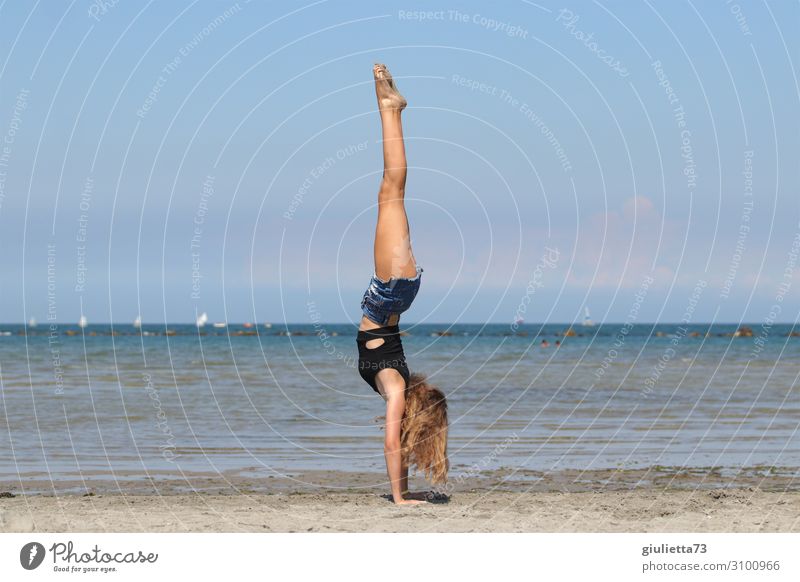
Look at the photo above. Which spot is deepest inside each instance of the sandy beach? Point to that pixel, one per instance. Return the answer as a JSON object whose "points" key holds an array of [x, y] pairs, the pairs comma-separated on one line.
{"points": [[627, 501], [733, 510]]}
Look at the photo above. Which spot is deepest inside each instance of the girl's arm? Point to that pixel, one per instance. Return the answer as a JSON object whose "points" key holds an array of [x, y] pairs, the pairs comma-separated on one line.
{"points": [[398, 475]]}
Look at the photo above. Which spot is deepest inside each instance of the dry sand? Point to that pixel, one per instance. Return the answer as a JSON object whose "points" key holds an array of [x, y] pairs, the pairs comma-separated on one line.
{"points": [[615, 511], [600, 501]]}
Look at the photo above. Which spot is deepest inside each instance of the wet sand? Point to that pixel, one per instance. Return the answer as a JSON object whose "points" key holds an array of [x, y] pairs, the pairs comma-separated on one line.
{"points": [[653, 500]]}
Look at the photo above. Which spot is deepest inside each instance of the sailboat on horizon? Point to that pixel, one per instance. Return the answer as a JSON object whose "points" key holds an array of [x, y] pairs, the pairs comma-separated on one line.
{"points": [[201, 319], [137, 323], [83, 322], [587, 319]]}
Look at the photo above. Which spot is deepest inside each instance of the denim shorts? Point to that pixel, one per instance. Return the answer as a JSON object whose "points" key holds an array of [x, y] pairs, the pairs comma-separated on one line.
{"points": [[382, 299]]}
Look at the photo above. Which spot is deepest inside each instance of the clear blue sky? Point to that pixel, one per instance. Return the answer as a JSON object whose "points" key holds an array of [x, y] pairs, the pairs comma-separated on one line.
{"points": [[623, 150]]}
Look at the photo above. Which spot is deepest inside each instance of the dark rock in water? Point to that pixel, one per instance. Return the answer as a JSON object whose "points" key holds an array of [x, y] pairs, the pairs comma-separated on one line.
{"points": [[743, 331], [569, 333], [6, 495], [793, 334], [443, 333]]}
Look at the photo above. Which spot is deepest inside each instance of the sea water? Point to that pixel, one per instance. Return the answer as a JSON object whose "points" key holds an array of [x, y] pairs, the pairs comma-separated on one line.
{"points": [[123, 402]]}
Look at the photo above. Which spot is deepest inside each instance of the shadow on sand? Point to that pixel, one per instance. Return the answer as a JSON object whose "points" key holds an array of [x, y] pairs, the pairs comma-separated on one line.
{"points": [[429, 496]]}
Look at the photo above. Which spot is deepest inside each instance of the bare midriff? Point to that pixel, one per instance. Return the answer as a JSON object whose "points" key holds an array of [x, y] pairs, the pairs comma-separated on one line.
{"points": [[367, 323]]}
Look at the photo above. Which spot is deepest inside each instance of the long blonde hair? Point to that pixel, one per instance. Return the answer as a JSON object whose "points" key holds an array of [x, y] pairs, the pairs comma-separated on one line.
{"points": [[423, 433]]}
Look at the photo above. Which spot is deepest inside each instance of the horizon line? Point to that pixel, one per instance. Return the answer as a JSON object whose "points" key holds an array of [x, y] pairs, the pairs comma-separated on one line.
{"points": [[285, 323]]}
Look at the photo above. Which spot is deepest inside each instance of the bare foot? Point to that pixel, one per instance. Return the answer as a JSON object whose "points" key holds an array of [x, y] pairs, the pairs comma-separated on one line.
{"points": [[409, 502], [388, 95]]}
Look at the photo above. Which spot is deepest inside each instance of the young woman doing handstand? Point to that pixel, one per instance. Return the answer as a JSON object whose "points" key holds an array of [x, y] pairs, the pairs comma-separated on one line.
{"points": [[416, 412]]}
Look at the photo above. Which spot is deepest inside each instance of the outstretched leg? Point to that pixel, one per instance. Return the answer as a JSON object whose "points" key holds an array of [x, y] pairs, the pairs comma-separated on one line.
{"points": [[393, 255]]}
